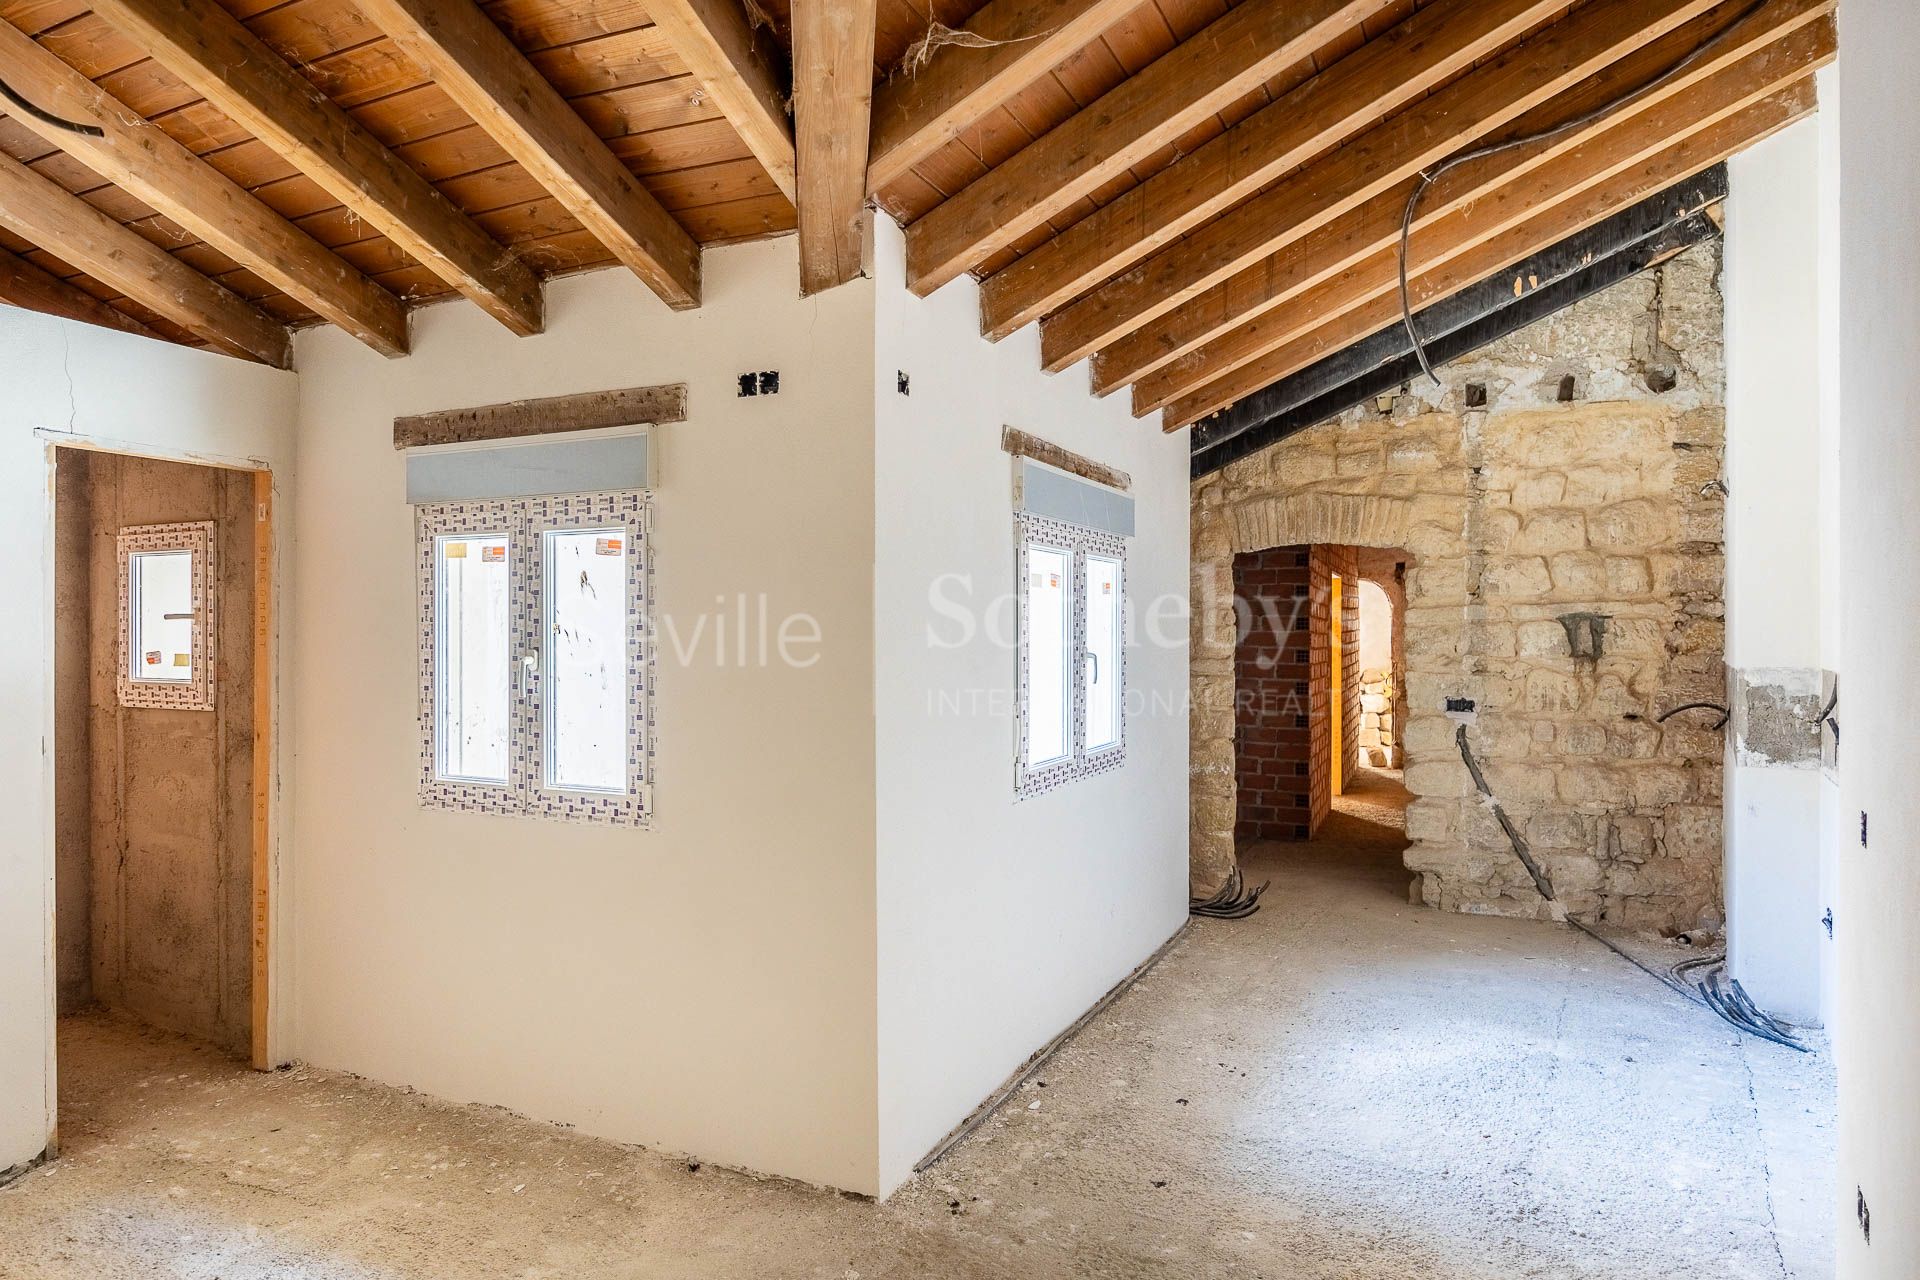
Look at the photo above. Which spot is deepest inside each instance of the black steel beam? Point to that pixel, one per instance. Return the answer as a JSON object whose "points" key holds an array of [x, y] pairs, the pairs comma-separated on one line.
{"points": [[1552, 280]]}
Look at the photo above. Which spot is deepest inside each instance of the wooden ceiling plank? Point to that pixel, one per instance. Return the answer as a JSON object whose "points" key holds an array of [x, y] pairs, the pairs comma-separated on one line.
{"points": [[1171, 95], [1673, 163], [1358, 234], [492, 81], [718, 45], [1632, 143], [202, 44], [141, 159], [1385, 75], [921, 109], [832, 109], [41, 211], [24, 285], [1524, 77]]}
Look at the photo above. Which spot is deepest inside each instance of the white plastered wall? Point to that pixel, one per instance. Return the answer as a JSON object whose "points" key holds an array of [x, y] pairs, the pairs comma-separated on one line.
{"points": [[1772, 805], [1877, 904], [74, 383], [706, 986], [1000, 922]]}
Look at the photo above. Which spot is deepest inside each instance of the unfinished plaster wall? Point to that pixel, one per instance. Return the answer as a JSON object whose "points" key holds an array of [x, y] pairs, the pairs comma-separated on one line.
{"points": [[70, 382], [1515, 515], [170, 893], [72, 758]]}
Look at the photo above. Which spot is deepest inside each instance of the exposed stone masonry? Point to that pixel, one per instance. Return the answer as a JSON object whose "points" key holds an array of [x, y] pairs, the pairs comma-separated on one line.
{"points": [[1513, 516]]}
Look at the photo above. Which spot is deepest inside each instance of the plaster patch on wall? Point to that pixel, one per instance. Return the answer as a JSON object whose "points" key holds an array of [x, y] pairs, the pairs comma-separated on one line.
{"points": [[1775, 716]]}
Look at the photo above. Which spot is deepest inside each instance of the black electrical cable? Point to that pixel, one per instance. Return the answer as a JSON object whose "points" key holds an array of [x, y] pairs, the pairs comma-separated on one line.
{"points": [[1721, 723], [12, 95], [1233, 901], [1429, 176]]}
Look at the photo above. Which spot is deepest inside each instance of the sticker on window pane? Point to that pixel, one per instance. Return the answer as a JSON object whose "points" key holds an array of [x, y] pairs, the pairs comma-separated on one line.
{"points": [[473, 698], [1049, 639], [585, 626], [1103, 652]]}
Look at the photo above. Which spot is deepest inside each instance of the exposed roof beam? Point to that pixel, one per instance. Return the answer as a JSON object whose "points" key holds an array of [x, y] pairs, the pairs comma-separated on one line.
{"points": [[1381, 77], [1015, 42], [66, 226], [1640, 147], [716, 42], [832, 109], [26, 286], [1223, 440], [204, 45], [1701, 150], [1144, 112], [143, 159], [1349, 240], [475, 64], [1524, 77]]}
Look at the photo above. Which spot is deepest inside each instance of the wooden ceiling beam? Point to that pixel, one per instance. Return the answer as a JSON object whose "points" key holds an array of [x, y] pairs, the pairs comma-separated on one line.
{"points": [[832, 112], [204, 45], [1146, 111], [487, 77], [1346, 242], [1013, 43], [142, 159], [40, 210], [1524, 77], [715, 40], [1623, 146], [1381, 77], [1672, 163], [26, 286]]}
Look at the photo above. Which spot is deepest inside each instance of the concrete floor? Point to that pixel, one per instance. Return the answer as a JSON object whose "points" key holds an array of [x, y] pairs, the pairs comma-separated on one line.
{"points": [[1341, 1086]]}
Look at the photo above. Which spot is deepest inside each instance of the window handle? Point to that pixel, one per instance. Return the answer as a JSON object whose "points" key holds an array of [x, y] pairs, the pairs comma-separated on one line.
{"points": [[1094, 658], [529, 667]]}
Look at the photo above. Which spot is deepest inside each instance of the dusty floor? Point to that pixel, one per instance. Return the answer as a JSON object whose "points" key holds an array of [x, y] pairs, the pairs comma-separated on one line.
{"points": [[1342, 1086]]}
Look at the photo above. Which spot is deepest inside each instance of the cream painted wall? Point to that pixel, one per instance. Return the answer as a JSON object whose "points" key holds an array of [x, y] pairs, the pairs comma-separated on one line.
{"points": [[79, 384], [706, 986], [1877, 907], [1776, 945], [1001, 922]]}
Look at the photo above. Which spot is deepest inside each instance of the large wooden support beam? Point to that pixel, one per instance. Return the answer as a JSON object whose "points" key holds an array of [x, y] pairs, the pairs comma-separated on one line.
{"points": [[832, 110], [549, 415], [1229, 437], [1146, 111], [1381, 77], [717, 43], [204, 45], [142, 159], [1013, 43], [1639, 148], [1300, 263], [475, 64], [1524, 77], [26, 286], [1707, 147], [66, 226]]}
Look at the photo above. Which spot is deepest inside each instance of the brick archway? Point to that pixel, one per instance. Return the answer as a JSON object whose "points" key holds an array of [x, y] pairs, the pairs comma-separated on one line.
{"points": [[1219, 534]]}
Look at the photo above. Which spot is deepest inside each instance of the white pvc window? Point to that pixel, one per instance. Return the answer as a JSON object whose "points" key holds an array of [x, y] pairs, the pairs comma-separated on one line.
{"points": [[534, 655], [1071, 687], [166, 616]]}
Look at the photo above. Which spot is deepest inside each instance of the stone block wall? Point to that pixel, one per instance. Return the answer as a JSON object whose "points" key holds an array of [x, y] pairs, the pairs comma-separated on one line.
{"points": [[1514, 515]]}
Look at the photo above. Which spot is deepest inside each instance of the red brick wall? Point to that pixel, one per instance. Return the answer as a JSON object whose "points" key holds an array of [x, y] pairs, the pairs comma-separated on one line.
{"points": [[1272, 722]]}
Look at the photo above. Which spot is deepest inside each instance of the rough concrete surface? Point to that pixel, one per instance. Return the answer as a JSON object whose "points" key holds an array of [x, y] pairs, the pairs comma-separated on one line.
{"points": [[1342, 1086]]}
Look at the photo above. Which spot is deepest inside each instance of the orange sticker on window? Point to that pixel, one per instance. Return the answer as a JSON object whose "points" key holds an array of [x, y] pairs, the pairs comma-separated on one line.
{"points": [[1053, 580], [493, 555], [153, 657], [607, 546]]}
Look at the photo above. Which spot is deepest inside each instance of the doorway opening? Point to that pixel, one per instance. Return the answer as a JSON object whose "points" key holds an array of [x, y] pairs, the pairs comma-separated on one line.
{"points": [[1319, 702], [162, 575]]}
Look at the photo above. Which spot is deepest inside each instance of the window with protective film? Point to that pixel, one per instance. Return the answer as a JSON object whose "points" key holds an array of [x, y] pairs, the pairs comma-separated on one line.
{"points": [[534, 656], [166, 616], [1071, 690]]}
